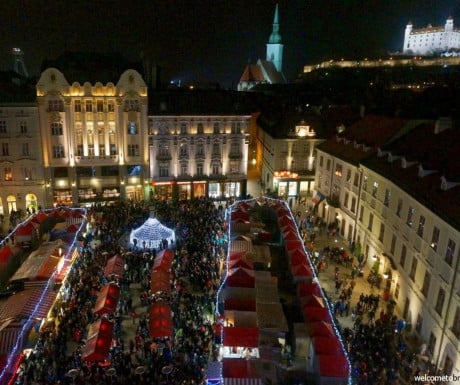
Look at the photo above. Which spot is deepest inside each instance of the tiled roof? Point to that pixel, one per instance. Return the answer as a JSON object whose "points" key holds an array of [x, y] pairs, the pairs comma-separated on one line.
{"points": [[439, 153], [274, 76], [252, 73], [373, 131]]}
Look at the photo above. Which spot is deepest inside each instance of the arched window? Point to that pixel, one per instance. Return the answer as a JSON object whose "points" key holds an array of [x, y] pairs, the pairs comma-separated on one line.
{"points": [[31, 202], [11, 201]]}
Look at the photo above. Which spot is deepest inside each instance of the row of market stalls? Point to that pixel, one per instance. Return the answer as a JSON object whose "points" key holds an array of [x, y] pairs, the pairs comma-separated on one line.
{"points": [[253, 324], [252, 321], [25, 309], [317, 340]]}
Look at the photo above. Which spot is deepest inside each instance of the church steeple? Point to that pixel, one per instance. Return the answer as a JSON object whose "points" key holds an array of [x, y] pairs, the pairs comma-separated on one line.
{"points": [[274, 46]]}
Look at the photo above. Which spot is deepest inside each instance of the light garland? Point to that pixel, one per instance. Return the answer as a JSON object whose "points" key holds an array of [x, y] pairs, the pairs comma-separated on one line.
{"points": [[25, 330], [281, 203]]}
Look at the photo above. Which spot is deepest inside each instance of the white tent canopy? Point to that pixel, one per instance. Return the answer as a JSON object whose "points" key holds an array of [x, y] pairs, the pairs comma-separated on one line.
{"points": [[152, 232]]}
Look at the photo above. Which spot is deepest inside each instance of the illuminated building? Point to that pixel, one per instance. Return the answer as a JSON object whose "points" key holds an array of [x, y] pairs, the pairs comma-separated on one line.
{"points": [[198, 145], [94, 137], [21, 180], [270, 70], [431, 40], [392, 187]]}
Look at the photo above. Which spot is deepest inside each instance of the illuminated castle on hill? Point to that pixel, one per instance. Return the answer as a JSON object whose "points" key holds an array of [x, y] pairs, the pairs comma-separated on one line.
{"points": [[431, 40]]}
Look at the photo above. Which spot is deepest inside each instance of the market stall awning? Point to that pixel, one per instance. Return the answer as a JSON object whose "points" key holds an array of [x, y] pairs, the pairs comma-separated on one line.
{"points": [[240, 304], [240, 277], [101, 327], [241, 336], [313, 313], [107, 300], [160, 320], [34, 302], [5, 254], [160, 280], [114, 266], [333, 366], [96, 348], [163, 260]]}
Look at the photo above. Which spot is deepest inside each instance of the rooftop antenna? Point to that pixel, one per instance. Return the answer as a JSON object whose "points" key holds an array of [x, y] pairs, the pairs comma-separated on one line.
{"points": [[18, 64]]}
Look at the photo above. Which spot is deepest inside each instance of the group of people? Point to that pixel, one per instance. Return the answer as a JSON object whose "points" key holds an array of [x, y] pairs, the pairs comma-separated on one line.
{"points": [[180, 358]]}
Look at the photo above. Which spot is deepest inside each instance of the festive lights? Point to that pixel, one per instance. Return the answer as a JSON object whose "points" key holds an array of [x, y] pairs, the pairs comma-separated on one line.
{"points": [[14, 356], [276, 203]]}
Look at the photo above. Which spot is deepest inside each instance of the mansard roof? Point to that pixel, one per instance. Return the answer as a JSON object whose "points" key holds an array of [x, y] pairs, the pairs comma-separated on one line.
{"points": [[91, 67], [425, 164], [362, 139]]}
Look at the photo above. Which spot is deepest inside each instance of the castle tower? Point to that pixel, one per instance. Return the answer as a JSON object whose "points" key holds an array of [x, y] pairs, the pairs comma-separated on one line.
{"points": [[18, 64], [274, 46], [407, 33]]}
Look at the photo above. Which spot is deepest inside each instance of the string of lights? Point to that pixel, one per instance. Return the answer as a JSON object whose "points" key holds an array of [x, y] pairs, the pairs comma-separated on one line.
{"points": [[15, 356], [279, 204]]}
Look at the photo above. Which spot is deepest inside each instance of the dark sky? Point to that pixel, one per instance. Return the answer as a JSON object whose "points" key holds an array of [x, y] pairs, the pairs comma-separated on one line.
{"points": [[212, 40]]}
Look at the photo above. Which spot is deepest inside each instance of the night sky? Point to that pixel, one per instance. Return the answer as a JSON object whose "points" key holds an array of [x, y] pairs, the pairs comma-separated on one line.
{"points": [[212, 40]]}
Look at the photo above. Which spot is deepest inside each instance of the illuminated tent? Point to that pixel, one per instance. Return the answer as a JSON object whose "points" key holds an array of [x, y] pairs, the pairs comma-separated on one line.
{"points": [[114, 266], [107, 300], [163, 260], [241, 336], [240, 277], [152, 232], [160, 320], [97, 346], [5, 254]]}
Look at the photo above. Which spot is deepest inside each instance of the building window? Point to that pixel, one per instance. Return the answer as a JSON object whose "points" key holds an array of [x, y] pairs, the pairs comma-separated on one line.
{"points": [[90, 150], [5, 149], [164, 170], [215, 149], [216, 128], [131, 105], [431, 343], [381, 232], [99, 105], [371, 221], [349, 175], [199, 169], [3, 129], [215, 169], [133, 150], [353, 205], [27, 173], [132, 128], [80, 150], [338, 170], [8, 174], [110, 106], [356, 179], [199, 128], [345, 199], [199, 149], [55, 105], [77, 106], [23, 127], [25, 149], [365, 182], [393, 244], [399, 207], [397, 289], [183, 150], [419, 324], [375, 188], [183, 169], [413, 268], [450, 250], [183, 129], [440, 301], [456, 323], [328, 165], [89, 106], [56, 129], [321, 161], [236, 128], [421, 225], [361, 213], [402, 259], [426, 284], [386, 200], [435, 238], [234, 166], [410, 216], [58, 151]]}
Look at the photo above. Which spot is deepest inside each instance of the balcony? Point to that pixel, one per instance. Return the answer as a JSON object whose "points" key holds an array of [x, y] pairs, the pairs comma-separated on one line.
{"points": [[163, 156], [235, 155]]}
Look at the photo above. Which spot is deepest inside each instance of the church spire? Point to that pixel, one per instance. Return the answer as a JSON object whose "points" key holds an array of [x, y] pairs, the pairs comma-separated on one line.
{"points": [[274, 45], [275, 37]]}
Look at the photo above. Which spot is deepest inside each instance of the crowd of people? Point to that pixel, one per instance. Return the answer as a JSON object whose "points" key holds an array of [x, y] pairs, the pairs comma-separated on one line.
{"points": [[180, 358]]}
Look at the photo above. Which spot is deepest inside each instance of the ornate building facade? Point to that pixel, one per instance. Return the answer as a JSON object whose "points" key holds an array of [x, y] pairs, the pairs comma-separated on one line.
{"points": [[94, 138]]}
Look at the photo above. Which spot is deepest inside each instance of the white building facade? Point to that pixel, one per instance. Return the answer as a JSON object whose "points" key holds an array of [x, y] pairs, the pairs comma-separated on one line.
{"points": [[198, 155], [22, 184], [431, 40], [94, 139]]}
